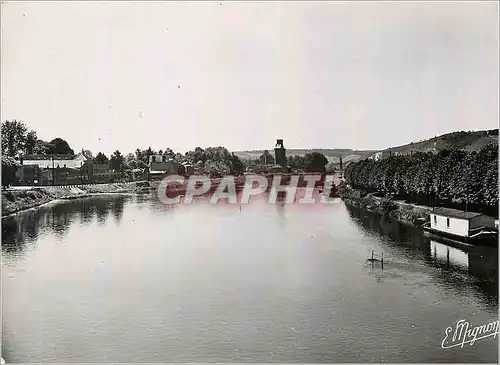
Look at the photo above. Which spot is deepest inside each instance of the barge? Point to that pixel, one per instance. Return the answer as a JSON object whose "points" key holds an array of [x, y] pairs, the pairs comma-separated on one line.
{"points": [[465, 227]]}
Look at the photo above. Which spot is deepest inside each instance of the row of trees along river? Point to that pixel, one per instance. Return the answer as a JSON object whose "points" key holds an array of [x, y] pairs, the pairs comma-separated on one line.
{"points": [[451, 178]]}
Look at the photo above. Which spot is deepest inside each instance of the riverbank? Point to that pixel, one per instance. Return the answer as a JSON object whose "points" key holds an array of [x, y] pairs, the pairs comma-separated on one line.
{"points": [[399, 210], [15, 201]]}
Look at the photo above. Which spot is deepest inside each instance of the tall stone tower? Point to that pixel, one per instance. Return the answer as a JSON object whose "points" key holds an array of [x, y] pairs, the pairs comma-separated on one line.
{"points": [[280, 153]]}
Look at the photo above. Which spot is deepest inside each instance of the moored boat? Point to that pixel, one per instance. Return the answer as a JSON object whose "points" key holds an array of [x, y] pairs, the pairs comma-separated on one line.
{"points": [[466, 227]]}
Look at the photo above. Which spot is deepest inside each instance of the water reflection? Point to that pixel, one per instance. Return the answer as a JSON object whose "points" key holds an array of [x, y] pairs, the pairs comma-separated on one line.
{"points": [[449, 256], [268, 284], [23, 229], [458, 268]]}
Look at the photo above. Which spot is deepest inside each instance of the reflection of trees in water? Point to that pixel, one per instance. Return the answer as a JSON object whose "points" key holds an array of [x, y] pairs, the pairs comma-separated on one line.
{"points": [[117, 208], [482, 271], [483, 264], [17, 231], [60, 218], [397, 234], [102, 210], [87, 212]]}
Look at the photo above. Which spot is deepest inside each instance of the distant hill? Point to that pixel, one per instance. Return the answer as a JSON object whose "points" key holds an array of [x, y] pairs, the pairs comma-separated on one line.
{"points": [[470, 141], [331, 154]]}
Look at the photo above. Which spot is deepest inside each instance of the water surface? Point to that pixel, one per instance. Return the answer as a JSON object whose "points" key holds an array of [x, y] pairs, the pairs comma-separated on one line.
{"points": [[122, 279]]}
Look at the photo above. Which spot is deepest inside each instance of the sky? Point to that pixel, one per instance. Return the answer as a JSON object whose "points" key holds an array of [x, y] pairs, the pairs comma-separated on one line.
{"points": [[361, 75]]}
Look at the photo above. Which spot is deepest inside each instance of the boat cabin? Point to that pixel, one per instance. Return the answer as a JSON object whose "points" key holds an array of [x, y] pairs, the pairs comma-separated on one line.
{"points": [[459, 223]]}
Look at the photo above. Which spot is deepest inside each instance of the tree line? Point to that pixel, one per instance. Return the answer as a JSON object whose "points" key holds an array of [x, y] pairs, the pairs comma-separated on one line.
{"points": [[19, 140], [453, 178]]}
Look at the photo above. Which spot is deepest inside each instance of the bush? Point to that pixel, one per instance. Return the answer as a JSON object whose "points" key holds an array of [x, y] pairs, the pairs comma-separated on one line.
{"points": [[9, 169], [9, 196], [387, 206]]}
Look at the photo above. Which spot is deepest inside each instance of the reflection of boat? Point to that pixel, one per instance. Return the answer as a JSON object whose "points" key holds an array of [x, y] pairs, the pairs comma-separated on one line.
{"points": [[332, 190], [450, 255], [456, 225]]}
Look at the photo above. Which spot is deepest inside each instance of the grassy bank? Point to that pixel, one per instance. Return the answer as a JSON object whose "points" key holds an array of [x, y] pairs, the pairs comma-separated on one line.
{"points": [[388, 208], [15, 201]]}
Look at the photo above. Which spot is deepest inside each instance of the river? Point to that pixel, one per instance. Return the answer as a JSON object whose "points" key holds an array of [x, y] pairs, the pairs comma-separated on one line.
{"points": [[123, 279]]}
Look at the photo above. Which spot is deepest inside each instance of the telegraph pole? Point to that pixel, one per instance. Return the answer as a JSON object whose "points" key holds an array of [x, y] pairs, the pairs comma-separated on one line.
{"points": [[53, 170]]}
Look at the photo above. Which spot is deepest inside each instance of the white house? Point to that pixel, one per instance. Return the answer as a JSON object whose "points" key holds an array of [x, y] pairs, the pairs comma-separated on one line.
{"points": [[376, 156], [49, 161], [459, 223]]}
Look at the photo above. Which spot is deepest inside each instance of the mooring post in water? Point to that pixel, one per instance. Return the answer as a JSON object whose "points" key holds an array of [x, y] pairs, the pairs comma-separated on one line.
{"points": [[382, 261], [372, 255]]}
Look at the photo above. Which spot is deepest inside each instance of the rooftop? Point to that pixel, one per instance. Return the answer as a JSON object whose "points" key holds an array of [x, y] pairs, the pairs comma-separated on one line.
{"points": [[454, 213], [47, 157]]}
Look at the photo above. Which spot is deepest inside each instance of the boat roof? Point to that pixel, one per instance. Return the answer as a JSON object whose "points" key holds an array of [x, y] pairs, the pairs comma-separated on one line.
{"points": [[454, 213]]}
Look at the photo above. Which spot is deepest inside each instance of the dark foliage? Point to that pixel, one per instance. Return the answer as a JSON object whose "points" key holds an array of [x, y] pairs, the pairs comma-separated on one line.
{"points": [[447, 178]]}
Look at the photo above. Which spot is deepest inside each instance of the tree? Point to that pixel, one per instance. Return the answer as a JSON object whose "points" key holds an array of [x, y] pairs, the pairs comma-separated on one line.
{"points": [[297, 162], [30, 143], [146, 154], [101, 158], [130, 161], [41, 147], [237, 165], [330, 167], [199, 155], [316, 162], [88, 154], [116, 161], [138, 155], [59, 146], [169, 152], [450, 176], [13, 137], [9, 169]]}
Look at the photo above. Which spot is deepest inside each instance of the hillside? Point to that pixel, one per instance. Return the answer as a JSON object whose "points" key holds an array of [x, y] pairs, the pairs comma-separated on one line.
{"points": [[469, 141], [331, 154]]}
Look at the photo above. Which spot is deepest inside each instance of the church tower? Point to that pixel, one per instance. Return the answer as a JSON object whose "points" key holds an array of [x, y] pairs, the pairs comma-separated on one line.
{"points": [[280, 153]]}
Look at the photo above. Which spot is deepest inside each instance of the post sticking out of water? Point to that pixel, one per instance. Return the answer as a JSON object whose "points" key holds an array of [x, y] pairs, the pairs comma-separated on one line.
{"points": [[372, 255], [382, 261]]}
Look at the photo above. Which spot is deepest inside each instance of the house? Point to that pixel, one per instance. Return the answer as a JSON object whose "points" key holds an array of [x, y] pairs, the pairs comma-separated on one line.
{"points": [[376, 156], [38, 168], [459, 223], [28, 175], [97, 173], [278, 169], [189, 168], [161, 166], [61, 176], [266, 158], [53, 161]]}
